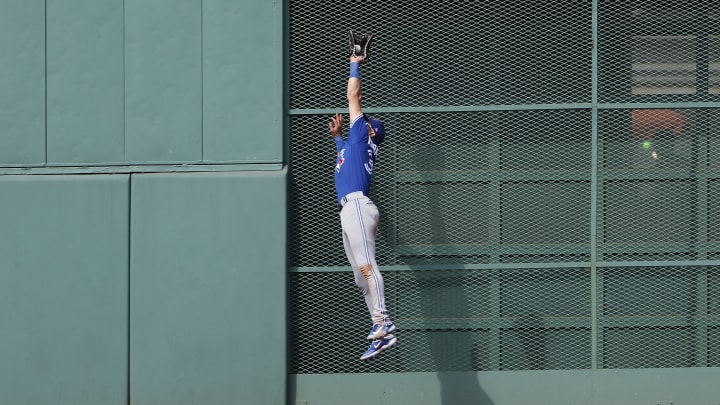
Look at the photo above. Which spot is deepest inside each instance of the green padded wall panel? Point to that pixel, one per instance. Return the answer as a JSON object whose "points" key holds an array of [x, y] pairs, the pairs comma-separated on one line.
{"points": [[163, 88], [208, 288], [141, 82], [22, 99], [85, 81], [576, 387], [64, 289], [242, 81]]}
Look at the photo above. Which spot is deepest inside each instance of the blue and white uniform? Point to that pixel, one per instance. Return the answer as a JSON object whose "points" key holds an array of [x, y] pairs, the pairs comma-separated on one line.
{"points": [[358, 215]]}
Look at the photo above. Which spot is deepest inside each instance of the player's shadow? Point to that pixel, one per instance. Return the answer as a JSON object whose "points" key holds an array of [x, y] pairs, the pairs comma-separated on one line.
{"points": [[531, 332], [456, 355]]}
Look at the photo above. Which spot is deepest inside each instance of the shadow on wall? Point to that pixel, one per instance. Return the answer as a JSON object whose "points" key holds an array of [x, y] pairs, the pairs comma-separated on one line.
{"points": [[454, 353], [531, 332]]}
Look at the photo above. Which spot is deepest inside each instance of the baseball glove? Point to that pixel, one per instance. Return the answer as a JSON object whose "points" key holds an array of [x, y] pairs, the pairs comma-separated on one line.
{"points": [[360, 45]]}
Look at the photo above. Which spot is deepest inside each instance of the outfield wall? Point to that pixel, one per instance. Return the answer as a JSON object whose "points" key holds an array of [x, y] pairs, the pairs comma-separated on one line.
{"points": [[170, 235], [142, 258]]}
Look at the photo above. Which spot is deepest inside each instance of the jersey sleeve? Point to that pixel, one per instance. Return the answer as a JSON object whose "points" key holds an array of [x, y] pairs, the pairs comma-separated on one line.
{"points": [[339, 143], [358, 130]]}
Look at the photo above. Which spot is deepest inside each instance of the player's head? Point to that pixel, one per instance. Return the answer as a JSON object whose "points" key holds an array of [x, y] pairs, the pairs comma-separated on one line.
{"points": [[379, 129]]}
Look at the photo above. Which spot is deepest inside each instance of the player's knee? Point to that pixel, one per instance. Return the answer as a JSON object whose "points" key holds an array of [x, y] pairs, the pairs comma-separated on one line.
{"points": [[366, 271]]}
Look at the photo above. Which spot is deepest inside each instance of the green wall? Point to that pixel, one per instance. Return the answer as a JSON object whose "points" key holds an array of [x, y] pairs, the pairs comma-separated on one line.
{"points": [[143, 195], [162, 279], [143, 186], [22, 101], [162, 81], [576, 387], [64, 289], [207, 288]]}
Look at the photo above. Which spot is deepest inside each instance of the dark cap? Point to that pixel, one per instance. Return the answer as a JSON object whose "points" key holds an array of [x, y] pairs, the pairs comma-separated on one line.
{"points": [[379, 129]]}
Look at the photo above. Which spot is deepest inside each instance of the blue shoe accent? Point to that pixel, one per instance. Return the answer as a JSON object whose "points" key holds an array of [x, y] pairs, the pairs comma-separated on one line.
{"points": [[378, 331], [379, 346]]}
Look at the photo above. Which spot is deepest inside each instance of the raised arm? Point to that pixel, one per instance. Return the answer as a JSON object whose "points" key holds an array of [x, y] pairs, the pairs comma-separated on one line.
{"points": [[335, 126], [354, 94]]}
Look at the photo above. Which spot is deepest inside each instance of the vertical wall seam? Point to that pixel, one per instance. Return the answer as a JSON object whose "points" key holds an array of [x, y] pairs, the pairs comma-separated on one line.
{"points": [[202, 83], [46, 87], [594, 337], [129, 272], [124, 81]]}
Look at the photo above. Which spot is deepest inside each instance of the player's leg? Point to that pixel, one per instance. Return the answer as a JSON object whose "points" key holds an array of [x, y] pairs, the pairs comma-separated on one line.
{"points": [[360, 219], [360, 281]]}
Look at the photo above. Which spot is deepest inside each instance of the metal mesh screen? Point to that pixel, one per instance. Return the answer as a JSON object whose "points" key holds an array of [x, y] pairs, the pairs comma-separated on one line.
{"points": [[514, 319], [510, 52], [659, 193], [477, 190], [674, 308], [658, 50], [546, 191], [452, 320]]}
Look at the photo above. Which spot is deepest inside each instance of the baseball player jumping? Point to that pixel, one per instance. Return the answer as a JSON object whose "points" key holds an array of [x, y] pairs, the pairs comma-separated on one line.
{"points": [[358, 215]]}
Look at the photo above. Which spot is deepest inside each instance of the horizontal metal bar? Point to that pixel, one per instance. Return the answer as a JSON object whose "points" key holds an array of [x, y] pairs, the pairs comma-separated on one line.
{"points": [[655, 174], [552, 175], [650, 321], [508, 107], [504, 323], [649, 106], [487, 176], [449, 266], [659, 248], [539, 249], [661, 263], [150, 168], [499, 266], [627, 25], [443, 109], [442, 324]]}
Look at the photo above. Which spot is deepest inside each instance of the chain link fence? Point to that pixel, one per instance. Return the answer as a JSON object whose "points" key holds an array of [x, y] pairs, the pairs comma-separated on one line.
{"points": [[549, 193]]}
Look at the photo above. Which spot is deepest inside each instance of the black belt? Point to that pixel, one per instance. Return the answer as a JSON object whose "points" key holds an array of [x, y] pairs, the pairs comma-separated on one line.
{"points": [[349, 197]]}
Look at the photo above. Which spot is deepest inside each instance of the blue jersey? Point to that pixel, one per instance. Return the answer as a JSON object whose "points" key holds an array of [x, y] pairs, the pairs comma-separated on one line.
{"points": [[355, 160]]}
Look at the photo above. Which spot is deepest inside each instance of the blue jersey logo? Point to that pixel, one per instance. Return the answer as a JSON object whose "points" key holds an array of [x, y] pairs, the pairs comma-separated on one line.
{"points": [[340, 160]]}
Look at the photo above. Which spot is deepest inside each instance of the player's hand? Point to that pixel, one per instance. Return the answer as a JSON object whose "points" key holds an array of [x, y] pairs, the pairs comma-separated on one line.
{"points": [[358, 59], [336, 125]]}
